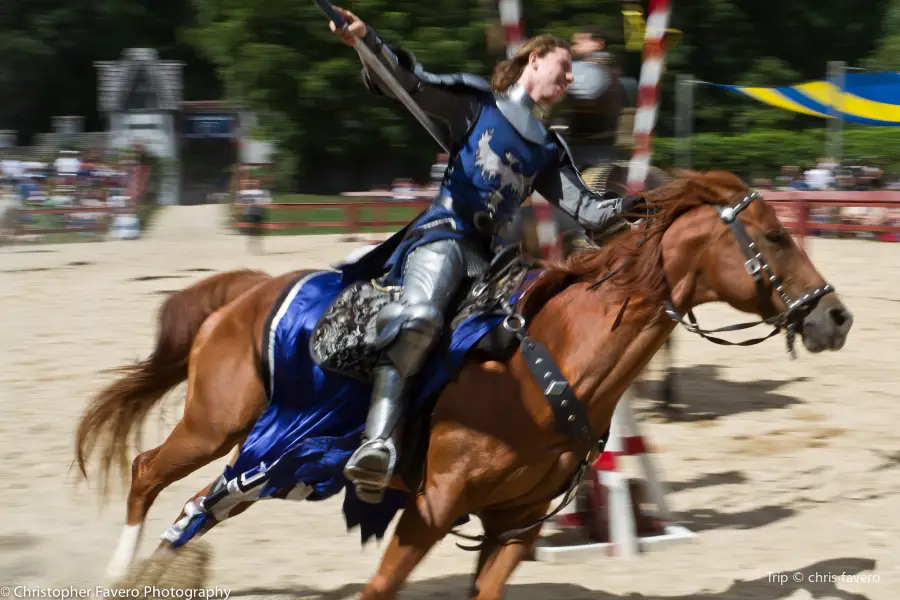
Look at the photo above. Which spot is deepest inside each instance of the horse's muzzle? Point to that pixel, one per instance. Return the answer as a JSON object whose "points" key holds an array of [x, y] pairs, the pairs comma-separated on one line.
{"points": [[827, 325]]}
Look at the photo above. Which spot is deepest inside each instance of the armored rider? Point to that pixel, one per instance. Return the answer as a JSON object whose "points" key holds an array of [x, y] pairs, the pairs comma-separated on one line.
{"points": [[500, 153]]}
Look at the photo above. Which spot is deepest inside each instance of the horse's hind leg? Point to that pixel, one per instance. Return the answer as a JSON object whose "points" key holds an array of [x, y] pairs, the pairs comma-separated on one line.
{"points": [[229, 504], [215, 420], [168, 568], [182, 453], [497, 561]]}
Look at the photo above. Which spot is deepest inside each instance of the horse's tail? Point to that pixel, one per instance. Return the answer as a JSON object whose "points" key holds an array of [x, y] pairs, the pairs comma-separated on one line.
{"points": [[122, 406]]}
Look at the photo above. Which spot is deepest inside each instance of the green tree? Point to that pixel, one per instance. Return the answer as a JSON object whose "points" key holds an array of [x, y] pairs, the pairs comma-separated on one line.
{"points": [[887, 54], [278, 57], [49, 48]]}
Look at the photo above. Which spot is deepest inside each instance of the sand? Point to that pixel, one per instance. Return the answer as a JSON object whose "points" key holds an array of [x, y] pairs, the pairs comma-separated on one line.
{"points": [[780, 466]]}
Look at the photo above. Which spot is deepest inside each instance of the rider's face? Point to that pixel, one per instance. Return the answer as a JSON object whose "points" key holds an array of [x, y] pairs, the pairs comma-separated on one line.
{"points": [[551, 76]]}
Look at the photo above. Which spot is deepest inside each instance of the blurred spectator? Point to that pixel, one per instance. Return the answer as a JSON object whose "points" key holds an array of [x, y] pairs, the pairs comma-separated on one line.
{"points": [[12, 170], [67, 164], [438, 169], [788, 174], [821, 177], [403, 185]]}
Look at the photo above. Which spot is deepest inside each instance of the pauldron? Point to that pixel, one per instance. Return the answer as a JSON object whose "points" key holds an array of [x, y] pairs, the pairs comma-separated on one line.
{"points": [[522, 113]]}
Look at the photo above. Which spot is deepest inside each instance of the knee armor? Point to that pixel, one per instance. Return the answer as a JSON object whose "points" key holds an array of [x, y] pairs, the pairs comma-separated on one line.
{"points": [[406, 334], [407, 329]]}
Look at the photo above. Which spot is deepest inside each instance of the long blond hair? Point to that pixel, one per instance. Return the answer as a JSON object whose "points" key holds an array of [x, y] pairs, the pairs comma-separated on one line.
{"points": [[508, 72]]}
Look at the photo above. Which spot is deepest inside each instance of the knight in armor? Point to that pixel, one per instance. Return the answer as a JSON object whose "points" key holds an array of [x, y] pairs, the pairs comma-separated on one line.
{"points": [[500, 153]]}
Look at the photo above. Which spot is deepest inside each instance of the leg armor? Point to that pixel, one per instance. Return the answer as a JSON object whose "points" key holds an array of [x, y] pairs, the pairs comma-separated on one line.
{"points": [[406, 333]]}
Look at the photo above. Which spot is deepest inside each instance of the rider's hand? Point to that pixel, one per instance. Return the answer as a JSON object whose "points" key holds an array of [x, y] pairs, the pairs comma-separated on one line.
{"points": [[355, 26], [636, 207]]}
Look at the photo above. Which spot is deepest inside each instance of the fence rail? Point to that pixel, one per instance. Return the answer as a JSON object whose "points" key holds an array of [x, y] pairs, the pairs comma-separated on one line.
{"points": [[795, 209], [353, 212]]}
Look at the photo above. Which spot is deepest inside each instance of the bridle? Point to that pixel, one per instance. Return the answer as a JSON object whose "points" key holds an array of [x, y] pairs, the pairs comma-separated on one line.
{"points": [[795, 309]]}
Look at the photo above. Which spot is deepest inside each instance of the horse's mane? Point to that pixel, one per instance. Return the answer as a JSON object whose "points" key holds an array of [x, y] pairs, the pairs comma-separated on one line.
{"points": [[636, 254]]}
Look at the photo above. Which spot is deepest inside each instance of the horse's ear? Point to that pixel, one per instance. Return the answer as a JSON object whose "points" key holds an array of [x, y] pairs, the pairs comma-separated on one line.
{"points": [[548, 284]]}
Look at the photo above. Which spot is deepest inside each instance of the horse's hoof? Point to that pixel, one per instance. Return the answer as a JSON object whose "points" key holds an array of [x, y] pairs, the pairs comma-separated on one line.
{"points": [[184, 568]]}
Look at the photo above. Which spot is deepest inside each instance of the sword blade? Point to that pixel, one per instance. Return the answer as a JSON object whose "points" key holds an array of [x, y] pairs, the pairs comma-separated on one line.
{"points": [[376, 65]]}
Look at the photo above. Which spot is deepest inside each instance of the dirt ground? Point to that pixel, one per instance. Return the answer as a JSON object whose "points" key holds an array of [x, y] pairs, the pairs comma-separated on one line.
{"points": [[781, 467]]}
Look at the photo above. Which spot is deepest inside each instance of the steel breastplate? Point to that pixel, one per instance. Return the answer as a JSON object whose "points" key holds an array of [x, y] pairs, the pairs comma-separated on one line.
{"points": [[522, 113]]}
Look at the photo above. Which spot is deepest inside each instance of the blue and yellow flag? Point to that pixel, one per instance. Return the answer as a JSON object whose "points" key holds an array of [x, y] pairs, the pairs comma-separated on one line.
{"points": [[868, 98]]}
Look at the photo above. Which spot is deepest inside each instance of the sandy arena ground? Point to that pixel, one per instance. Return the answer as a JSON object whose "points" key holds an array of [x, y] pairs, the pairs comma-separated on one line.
{"points": [[780, 466]]}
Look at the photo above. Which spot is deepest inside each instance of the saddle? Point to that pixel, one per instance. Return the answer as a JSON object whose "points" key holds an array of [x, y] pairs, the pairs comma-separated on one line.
{"points": [[343, 340]]}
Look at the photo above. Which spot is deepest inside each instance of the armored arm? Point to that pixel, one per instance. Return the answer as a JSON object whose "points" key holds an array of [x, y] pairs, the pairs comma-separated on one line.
{"points": [[453, 99], [564, 187]]}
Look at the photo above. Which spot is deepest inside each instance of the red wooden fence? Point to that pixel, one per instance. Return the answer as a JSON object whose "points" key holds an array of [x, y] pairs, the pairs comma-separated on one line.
{"points": [[793, 208], [352, 221]]}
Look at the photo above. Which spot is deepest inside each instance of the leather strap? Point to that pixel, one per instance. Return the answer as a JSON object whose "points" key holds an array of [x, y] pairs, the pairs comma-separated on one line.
{"points": [[571, 418]]}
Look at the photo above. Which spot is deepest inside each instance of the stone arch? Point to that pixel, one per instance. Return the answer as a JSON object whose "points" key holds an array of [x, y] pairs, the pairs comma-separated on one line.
{"points": [[139, 96]]}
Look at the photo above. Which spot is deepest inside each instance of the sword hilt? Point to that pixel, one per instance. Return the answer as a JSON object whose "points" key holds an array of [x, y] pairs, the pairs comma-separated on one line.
{"points": [[332, 13]]}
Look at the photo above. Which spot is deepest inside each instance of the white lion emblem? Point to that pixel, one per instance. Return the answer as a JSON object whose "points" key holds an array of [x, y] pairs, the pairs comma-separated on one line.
{"points": [[492, 166]]}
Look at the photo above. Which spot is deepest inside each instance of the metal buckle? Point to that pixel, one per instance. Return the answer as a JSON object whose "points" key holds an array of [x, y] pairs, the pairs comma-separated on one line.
{"points": [[484, 222], [727, 214], [519, 320], [753, 266]]}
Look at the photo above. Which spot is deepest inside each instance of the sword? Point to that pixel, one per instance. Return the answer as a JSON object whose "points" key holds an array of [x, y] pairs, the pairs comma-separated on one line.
{"points": [[372, 61]]}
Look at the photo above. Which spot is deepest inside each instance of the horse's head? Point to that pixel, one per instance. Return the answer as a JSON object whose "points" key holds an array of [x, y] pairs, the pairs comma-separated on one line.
{"points": [[740, 253]]}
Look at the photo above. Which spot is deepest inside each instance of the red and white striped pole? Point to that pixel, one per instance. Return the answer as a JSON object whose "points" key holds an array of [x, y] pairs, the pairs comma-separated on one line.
{"points": [[513, 23], [648, 94], [627, 440]]}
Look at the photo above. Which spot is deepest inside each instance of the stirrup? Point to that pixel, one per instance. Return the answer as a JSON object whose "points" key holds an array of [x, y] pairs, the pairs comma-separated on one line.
{"points": [[369, 495], [370, 468]]}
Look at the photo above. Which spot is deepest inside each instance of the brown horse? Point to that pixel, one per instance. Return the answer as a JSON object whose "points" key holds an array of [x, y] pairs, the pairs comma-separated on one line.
{"points": [[502, 458]]}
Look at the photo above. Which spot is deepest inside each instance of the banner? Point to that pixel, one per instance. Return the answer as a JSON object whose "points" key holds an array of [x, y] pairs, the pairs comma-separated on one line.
{"points": [[868, 98]]}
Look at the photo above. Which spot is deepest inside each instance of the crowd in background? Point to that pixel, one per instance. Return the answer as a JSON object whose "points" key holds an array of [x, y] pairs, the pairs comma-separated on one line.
{"points": [[827, 175], [69, 181]]}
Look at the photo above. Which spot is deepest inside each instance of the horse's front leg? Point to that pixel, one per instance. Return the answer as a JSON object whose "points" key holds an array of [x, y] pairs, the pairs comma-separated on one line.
{"points": [[426, 520], [498, 560]]}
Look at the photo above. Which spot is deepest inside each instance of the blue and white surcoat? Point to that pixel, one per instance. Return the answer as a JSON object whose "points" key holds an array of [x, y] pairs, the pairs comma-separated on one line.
{"points": [[500, 154], [495, 168]]}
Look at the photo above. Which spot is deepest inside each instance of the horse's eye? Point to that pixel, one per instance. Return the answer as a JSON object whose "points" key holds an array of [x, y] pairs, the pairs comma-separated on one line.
{"points": [[777, 237]]}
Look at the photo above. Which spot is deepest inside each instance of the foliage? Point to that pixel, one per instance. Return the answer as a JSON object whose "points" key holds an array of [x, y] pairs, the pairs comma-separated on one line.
{"points": [[278, 57], [49, 48], [887, 54], [763, 153]]}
